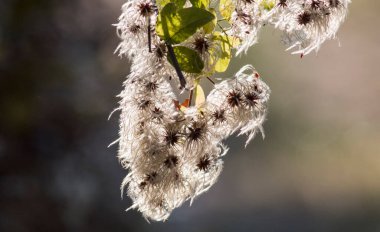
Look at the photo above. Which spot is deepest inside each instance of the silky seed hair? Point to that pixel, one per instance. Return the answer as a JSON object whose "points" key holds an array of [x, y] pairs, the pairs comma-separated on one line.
{"points": [[173, 155]]}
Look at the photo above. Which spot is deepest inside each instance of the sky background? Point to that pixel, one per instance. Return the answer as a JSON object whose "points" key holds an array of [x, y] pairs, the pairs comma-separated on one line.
{"points": [[318, 168]]}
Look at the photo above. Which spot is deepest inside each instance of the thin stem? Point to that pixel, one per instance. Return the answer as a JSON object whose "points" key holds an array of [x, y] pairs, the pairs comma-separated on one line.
{"points": [[191, 96], [149, 36], [213, 82], [224, 31], [172, 56]]}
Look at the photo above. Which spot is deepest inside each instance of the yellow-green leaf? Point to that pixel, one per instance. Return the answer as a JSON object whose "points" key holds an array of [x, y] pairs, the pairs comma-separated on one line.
{"points": [[175, 26], [162, 3], [199, 95], [209, 27], [200, 3], [226, 7], [222, 55]]}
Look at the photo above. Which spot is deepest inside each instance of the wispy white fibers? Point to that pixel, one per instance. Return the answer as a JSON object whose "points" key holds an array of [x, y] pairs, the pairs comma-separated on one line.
{"points": [[306, 23], [173, 153]]}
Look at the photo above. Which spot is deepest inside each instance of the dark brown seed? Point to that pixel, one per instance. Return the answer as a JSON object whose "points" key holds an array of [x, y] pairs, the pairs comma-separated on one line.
{"points": [[171, 137], [196, 131], [144, 103], [251, 99], [282, 3], [145, 9], [171, 161], [204, 163], [304, 18], [134, 28], [234, 98], [151, 177], [219, 115], [151, 86], [201, 44]]}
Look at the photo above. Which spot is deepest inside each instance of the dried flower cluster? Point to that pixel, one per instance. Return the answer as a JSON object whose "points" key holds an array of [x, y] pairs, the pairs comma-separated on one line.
{"points": [[306, 23], [173, 151]]}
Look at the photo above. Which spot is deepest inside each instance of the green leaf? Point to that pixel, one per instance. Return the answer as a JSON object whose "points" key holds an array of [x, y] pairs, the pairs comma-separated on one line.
{"points": [[209, 27], [188, 59], [223, 56], [226, 7], [175, 26], [200, 3], [162, 3]]}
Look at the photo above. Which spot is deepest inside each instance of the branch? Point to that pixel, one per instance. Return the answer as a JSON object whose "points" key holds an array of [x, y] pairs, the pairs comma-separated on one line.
{"points": [[172, 56]]}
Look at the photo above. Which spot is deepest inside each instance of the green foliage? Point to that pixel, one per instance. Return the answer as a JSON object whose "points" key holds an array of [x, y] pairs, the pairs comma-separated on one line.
{"points": [[188, 59], [226, 7], [221, 55], [176, 25], [200, 3], [210, 27], [162, 3]]}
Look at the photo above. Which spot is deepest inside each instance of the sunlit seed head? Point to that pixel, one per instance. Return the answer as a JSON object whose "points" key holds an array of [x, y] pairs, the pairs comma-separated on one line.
{"points": [[304, 18], [171, 137], [334, 3], [134, 28], [245, 18], [171, 161], [157, 113], [151, 178], [151, 86], [204, 163], [315, 4], [146, 9], [219, 115], [201, 44], [160, 50], [144, 103], [196, 131], [142, 185], [282, 3], [234, 98], [251, 98]]}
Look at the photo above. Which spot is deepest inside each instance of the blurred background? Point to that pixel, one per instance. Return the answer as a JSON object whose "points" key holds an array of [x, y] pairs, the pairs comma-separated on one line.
{"points": [[318, 168]]}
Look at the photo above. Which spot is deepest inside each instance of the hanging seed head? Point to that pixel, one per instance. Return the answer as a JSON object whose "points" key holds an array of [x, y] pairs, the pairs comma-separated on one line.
{"points": [[146, 9], [172, 136], [196, 131], [171, 161], [304, 18], [282, 3], [201, 44], [315, 4], [204, 163], [234, 98], [160, 50], [157, 113], [334, 3], [219, 115], [144, 103], [151, 86], [134, 28], [251, 99], [151, 178]]}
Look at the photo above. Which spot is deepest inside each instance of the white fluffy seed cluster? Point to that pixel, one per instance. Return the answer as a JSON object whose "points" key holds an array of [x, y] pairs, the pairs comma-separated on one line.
{"points": [[306, 23], [174, 154]]}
